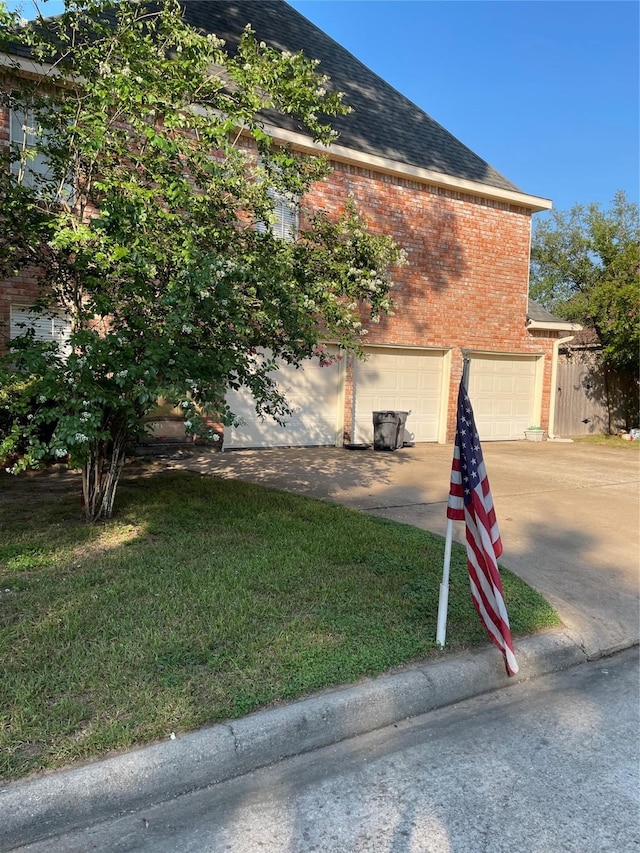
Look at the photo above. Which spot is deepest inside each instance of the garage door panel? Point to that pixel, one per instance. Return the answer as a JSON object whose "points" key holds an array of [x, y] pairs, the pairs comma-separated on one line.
{"points": [[504, 385], [407, 382], [522, 410], [503, 408], [523, 385], [485, 384]]}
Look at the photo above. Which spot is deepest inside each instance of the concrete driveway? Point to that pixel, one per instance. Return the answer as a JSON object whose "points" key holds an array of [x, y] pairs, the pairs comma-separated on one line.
{"points": [[569, 514]]}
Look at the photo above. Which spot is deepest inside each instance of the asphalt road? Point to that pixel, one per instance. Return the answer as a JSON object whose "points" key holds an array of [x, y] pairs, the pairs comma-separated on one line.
{"points": [[541, 766]]}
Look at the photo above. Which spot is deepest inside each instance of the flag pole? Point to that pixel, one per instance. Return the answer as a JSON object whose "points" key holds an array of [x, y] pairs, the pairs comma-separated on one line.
{"points": [[443, 601]]}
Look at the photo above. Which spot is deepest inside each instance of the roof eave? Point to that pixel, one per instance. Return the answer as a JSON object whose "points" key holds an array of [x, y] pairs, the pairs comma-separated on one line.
{"points": [[29, 67], [388, 166]]}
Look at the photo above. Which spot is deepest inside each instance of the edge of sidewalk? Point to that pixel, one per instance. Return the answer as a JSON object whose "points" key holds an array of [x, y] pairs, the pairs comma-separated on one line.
{"points": [[52, 804]]}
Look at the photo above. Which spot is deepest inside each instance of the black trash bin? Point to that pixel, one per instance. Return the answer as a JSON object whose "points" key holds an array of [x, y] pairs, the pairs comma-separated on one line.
{"points": [[388, 430], [402, 420]]}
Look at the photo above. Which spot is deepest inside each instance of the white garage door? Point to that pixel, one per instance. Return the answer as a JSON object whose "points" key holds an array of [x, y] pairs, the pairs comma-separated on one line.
{"points": [[314, 394], [501, 390], [399, 380]]}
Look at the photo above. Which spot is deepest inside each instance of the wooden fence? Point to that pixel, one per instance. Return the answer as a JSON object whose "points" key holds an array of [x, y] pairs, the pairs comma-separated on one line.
{"points": [[591, 400]]}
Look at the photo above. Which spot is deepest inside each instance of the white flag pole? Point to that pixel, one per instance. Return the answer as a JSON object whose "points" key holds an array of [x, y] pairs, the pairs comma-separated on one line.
{"points": [[443, 601]]}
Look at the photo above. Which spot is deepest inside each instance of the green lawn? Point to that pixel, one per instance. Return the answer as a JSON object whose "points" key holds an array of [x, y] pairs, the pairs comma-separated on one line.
{"points": [[609, 441], [203, 599]]}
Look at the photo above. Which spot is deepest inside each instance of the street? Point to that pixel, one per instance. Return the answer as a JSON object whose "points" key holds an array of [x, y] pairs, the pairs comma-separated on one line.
{"points": [[546, 765]]}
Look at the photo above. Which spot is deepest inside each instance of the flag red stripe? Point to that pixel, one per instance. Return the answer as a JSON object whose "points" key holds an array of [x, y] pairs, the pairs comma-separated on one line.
{"points": [[487, 595], [489, 588]]}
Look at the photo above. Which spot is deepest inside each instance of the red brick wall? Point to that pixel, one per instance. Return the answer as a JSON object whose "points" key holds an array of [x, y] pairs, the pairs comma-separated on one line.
{"points": [[465, 284]]}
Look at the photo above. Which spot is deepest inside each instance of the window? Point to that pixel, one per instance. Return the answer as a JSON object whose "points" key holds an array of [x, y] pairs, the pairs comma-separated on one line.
{"points": [[47, 325], [285, 214], [285, 211], [24, 137]]}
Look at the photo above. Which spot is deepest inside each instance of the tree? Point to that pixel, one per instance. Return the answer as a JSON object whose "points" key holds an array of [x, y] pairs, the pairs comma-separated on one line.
{"points": [[585, 266], [145, 228]]}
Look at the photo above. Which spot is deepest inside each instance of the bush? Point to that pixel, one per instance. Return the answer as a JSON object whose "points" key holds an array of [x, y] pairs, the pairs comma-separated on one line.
{"points": [[19, 400]]}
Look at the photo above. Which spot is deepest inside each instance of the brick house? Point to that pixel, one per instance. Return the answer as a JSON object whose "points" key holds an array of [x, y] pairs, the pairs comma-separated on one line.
{"points": [[466, 230]]}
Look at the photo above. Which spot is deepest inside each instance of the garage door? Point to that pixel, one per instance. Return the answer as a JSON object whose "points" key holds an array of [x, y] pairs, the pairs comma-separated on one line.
{"points": [[314, 394], [399, 380], [501, 390]]}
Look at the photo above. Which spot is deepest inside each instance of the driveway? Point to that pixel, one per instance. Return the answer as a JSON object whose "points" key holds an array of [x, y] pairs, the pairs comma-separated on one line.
{"points": [[568, 513]]}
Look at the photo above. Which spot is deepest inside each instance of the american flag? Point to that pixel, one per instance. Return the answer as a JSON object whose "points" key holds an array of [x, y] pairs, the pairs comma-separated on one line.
{"points": [[470, 501]]}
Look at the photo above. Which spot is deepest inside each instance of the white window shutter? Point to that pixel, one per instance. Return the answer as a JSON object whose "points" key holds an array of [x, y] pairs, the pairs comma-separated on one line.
{"points": [[285, 211], [49, 326]]}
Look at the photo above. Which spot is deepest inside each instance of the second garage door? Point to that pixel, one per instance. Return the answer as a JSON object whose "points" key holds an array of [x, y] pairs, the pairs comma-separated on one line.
{"points": [[400, 380], [502, 393]]}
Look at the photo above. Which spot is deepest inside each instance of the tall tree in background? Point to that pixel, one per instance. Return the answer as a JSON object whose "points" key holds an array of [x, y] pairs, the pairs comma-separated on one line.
{"points": [[585, 267], [146, 226]]}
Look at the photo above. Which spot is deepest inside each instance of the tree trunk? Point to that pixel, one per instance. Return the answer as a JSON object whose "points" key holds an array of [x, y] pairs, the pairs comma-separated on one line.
{"points": [[100, 476]]}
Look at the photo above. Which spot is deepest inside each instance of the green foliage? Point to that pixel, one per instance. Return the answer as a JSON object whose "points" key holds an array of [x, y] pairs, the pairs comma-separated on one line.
{"points": [[26, 421], [144, 226], [585, 267]]}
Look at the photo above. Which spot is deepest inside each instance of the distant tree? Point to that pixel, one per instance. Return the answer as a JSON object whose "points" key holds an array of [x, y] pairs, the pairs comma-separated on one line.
{"points": [[147, 223], [585, 267]]}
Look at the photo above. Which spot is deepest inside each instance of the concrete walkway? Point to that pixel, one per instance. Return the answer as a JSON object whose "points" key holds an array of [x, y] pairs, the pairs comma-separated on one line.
{"points": [[569, 516]]}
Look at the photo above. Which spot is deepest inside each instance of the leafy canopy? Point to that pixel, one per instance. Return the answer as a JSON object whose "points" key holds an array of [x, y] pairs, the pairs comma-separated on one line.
{"points": [[585, 266], [144, 228]]}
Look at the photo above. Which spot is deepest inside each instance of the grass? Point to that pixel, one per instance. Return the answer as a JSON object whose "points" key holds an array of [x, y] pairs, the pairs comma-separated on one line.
{"points": [[609, 441], [202, 600]]}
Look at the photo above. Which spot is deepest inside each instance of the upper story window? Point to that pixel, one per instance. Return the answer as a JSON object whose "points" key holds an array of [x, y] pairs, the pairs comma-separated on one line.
{"points": [[48, 326], [285, 211], [285, 219], [25, 136]]}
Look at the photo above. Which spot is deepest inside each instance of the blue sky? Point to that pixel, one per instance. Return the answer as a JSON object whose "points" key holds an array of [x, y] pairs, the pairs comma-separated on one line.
{"points": [[546, 91]]}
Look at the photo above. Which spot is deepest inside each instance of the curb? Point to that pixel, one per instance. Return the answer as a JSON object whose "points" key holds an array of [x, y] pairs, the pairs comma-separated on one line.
{"points": [[52, 804]]}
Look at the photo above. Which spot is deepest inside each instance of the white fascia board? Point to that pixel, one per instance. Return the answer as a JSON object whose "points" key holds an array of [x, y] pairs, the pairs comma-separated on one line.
{"points": [[554, 327], [22, 65], [391, 167]]}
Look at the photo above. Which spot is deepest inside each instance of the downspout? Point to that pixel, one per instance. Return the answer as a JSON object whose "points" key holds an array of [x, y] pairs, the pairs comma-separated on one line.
{"points": [[353, 399], [554, 378]]}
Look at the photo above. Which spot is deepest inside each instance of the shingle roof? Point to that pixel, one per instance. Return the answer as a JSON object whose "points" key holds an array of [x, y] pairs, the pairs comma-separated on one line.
{"points": [[384, 123], [541, 315]]}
